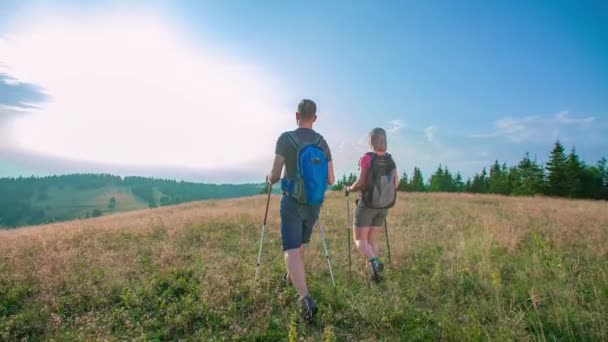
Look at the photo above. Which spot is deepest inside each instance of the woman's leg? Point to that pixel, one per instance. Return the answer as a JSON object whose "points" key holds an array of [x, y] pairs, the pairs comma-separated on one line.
{"points": [[361, 234], [361, 227], [372, 240], [376, 227]]}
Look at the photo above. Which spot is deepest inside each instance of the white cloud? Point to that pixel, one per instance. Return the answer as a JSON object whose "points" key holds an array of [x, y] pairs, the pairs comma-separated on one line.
{"points": [[127, 86], [430, 133], [395, 125], [563, 118], [536, 128]]}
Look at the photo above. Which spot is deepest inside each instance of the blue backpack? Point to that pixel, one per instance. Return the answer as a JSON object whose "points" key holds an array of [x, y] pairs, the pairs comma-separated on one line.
{"points": [[309, 185]]}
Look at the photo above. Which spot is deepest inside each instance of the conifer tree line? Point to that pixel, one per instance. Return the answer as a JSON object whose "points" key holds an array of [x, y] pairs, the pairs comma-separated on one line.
{"points": [[563, 175]]}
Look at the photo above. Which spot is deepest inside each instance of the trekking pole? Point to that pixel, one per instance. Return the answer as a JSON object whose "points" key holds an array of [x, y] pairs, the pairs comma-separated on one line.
{"points": [[388, 245], [257, 268], [348, 228], [331, 273]]}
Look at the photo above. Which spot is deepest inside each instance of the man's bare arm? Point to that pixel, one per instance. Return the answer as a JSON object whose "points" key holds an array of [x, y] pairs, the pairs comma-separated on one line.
{"points": [[277, 168], [331, 178]]}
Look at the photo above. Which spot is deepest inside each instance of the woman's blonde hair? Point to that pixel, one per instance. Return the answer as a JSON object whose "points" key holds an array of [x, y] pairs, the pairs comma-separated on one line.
{"points": [[377, 138]]}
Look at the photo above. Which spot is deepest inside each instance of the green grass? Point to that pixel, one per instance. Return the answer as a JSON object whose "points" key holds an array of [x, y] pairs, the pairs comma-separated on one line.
{"points": [[455, 275]]}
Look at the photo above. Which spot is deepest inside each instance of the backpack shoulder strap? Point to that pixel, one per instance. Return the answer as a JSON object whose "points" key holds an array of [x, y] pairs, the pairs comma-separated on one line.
{"points": [[294, 140], [372, 155], [318, 140], [390, 161]]}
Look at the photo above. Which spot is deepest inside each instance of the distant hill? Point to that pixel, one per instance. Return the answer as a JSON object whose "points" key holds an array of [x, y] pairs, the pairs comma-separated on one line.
{"points": [[37, 200]]}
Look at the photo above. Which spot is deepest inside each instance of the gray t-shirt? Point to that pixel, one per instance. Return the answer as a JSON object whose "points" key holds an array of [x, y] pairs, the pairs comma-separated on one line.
{"points": [[289, 152]]}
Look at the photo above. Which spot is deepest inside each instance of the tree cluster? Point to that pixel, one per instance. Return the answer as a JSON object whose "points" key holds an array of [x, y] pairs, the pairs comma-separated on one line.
{"points": [[563, 175]]}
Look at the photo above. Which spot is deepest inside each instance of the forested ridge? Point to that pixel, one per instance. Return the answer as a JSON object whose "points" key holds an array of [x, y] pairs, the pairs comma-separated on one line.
{"points": [[34, 200]]}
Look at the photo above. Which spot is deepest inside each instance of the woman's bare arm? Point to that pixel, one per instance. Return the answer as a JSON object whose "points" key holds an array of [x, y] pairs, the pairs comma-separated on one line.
{"points": [[396, 176], [360, 183]]}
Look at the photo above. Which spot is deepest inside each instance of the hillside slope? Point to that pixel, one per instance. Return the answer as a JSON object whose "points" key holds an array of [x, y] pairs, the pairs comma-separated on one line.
{"points": [[463, 267], [38, 200]]}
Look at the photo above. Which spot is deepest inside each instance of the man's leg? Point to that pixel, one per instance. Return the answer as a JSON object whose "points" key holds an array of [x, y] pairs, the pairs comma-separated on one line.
{"points": [[295, 268], [288, 277], [310, 216], [291, 237]]}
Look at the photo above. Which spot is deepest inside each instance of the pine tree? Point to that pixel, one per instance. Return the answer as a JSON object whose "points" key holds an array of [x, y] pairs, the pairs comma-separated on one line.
{"points": [[602, 169], [458, 182], [403, 183], [447, 181], [539, 180], [499, 179], [417, 181], [557, 176], [574, 172], [591, 182], [514, 179], [436, 180], [527, 178], [480, 182]]}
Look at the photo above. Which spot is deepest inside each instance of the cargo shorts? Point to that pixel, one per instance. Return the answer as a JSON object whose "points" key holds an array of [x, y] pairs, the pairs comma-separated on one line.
{"points": [[297, 222], [368, 217]]}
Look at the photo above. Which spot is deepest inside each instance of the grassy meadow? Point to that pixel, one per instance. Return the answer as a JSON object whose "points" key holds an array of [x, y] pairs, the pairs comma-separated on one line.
{"points": [[77, 203], [464, 267]]}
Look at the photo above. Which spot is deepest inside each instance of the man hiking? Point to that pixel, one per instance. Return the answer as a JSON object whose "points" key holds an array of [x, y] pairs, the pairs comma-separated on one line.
{"points": [[308, 171], [377, 185]]}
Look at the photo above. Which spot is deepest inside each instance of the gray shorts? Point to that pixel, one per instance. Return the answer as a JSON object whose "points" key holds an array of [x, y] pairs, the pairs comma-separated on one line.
{"points": [[367, 217]]}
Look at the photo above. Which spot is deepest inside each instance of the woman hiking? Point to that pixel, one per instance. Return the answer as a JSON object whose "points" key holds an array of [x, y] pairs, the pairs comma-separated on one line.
{"points": [[377, 186]]}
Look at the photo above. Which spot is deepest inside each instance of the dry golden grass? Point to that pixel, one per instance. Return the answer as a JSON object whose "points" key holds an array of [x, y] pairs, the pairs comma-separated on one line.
{"points": [[463, 267]]}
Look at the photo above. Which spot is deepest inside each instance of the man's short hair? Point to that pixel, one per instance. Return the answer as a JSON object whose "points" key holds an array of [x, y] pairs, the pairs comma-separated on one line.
{"points": [[307, 109]]}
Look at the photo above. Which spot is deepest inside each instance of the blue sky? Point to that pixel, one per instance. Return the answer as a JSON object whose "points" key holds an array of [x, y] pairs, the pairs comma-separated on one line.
{"points": [[459, 83]]}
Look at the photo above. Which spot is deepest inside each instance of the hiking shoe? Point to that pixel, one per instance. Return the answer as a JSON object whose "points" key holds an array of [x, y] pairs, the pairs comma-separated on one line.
{"points": [[309, 308], [373, 270], [380, 265]]}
